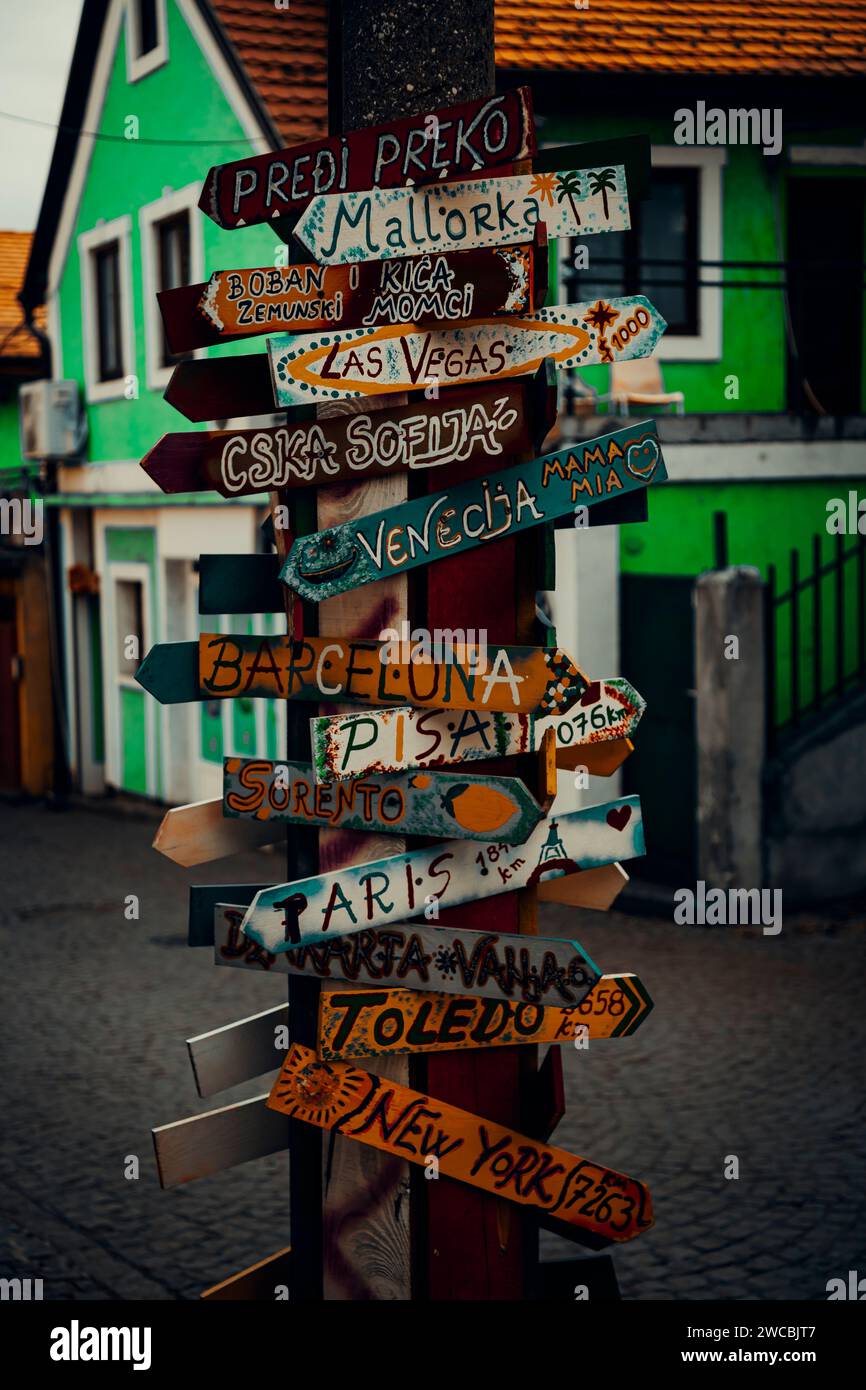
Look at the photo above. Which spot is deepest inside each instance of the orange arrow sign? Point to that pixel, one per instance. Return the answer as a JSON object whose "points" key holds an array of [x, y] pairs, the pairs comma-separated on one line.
{"points": [[575, 1191]]}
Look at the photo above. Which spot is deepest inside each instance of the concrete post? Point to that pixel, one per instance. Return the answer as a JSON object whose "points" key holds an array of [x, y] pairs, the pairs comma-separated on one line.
{"points": [[730, 725]]}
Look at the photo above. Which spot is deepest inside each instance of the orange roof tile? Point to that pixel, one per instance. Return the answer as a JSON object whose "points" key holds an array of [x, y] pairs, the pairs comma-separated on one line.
{"points": [[756, 37], [284, 53], [15, 340]]}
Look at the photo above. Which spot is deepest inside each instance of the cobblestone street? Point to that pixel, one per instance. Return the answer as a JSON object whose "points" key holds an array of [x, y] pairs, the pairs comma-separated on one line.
{"points": [[755, 1049]]}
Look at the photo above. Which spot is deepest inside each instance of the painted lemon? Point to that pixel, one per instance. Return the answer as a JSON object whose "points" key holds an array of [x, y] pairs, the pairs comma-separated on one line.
{"points": [[478, 808]]}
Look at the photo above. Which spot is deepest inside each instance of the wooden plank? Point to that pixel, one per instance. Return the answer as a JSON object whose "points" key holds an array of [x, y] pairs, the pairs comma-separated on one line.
{"points": [[440, 804], [456, 519], [423, 148], [594, 888], [199, 833], [308, 367], [599, 759], [352, 745], [367, 1023], [221, 388], [218, 1139], [533, 970], [343, 1098], [487, 421], [240, 584], [237, 1052], [258, 1282], [455, 285], [203, 898], [378, 224], [444, 875]]}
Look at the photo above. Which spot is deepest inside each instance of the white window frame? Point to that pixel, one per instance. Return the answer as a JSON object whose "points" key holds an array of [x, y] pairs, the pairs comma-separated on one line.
{"points": [[113, 681], [169, 205], [138, 67], [119, 230], [706, 344]]}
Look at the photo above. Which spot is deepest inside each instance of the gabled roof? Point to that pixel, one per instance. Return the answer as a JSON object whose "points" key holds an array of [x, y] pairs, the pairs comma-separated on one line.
{"points": [[779, 38], [284, 54]]}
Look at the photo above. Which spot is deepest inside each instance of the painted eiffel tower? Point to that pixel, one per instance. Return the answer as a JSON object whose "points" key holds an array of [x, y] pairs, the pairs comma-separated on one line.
{"points": [[553, 861]]}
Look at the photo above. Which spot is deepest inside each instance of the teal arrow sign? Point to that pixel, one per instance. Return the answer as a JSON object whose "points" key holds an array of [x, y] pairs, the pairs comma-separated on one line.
{"points": [[451, 520]]}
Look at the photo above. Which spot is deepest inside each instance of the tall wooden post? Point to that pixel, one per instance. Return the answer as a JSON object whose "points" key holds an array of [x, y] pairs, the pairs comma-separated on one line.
{"points": [[387, 59]]}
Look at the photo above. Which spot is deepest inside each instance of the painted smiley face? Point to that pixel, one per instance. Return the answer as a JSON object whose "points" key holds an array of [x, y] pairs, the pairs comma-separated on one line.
{"points": [[641, 458], [326, 558]]}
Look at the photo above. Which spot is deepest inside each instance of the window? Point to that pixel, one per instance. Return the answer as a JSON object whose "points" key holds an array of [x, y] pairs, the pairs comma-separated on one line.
{"points": [[106, 309], [675, 229], [171, 256], [173, 264], [146, 37], [147, 27], [664, 228], [106, 280]]}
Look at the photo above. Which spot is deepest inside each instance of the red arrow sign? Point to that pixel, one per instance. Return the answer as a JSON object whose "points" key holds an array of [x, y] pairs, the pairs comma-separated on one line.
{"points": [[456, 140]]}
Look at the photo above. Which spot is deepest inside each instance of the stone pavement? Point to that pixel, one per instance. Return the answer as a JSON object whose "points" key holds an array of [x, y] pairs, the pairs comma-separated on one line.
{"points": [[755, 1049]]}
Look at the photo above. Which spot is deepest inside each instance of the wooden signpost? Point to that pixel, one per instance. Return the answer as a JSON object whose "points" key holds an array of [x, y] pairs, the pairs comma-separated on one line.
{"points": [[472, 514], [443, 876], [542, 680], [361, 1023], [352, 745], [489, 422], [340, 228], [440, 804], [419, 149], [347, 1100], [310, 367], [429, 232], [433, 288], [485, 965]]}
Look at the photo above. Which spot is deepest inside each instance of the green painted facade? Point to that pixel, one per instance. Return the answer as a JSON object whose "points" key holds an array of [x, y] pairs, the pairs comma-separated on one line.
{"points": [[180, 97]]}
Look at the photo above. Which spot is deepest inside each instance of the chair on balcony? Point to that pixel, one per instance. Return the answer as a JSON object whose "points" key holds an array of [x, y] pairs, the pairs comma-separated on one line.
{"points": [[640, 382]]}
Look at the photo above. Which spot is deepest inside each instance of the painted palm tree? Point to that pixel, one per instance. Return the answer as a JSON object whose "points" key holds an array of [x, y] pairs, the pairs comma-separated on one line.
{"points": [[604, 182], [568, 186]]}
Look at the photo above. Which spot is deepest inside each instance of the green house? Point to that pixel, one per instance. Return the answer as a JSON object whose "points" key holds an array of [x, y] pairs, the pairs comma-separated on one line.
{"points": [[752, 246], [159, 90]]}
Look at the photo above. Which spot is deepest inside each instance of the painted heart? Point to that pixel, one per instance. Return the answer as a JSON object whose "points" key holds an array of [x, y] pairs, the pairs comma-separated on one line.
{"points": [[641, 458], [592, 694], [619, 817]]}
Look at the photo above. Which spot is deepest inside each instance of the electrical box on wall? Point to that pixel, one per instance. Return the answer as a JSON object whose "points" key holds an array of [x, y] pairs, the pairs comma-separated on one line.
{"points": [[50, 419]]}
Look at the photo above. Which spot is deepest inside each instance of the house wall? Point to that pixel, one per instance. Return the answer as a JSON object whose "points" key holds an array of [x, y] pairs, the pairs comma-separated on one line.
{"points": [[118, 735]]}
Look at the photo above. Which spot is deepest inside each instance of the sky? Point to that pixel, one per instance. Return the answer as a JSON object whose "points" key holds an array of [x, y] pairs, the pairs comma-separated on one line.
{"points": [[36, 42]]}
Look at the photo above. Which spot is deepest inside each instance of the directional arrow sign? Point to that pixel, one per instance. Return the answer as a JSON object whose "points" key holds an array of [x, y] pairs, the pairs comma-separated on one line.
{"points": [[352, 745], [443, 804], [441, 876], [311, 367], [532, 969], [527, 679], [339, 228], [463, 425], [452, 520], [417, 289], [343, 1098], [359, 1023], [435, 145]]}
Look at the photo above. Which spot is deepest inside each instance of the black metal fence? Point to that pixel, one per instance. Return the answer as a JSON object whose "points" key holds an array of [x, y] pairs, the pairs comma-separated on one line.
{"points": [[816, 635]]}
